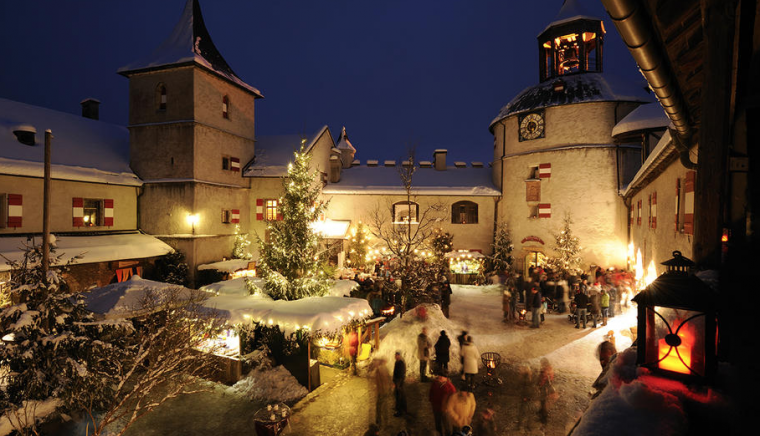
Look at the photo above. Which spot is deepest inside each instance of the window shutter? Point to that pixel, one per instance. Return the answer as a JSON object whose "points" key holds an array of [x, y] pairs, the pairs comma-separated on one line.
{"points": [[77, 212], [259, 209], [15, 210], [688, 203], [545, 210], [108, 213], [234, 164], [638, 216], [678, 201], [654, 210], [544, 171], [235, 216]]}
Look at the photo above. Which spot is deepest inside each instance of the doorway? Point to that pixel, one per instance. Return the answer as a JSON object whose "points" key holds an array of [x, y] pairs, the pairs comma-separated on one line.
{"points": [[533, 259]]}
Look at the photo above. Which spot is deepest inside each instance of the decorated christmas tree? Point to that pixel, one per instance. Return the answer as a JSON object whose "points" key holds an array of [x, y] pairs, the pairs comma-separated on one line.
{"points": [[358, 246], [502, 259], [568, 248], [289, 259], [240, 249], [443, 242]]}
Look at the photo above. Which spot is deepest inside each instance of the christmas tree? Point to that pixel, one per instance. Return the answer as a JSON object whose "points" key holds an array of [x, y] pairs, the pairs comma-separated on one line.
{"points": [[502, 259], [443, 242], [568, 247], [289, 260], [358, 246], [240, 249]]}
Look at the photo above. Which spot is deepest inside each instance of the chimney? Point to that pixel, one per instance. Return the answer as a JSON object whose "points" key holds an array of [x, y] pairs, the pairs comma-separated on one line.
{"points": [[439, 157], [90, 108], [390, 163], [335, 167], [347, 151]]}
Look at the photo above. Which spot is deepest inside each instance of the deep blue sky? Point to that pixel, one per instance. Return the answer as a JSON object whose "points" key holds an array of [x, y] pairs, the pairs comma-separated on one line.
{"points": [[429, 73]]}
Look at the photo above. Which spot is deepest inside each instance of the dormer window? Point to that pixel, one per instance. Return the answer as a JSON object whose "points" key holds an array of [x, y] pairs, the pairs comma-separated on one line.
{"points": [[25, 135], [161, 96], [226, 107]]}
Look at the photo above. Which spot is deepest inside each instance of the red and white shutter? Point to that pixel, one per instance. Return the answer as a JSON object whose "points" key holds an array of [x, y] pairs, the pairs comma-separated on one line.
{"points": [[235, 164], [235, 218], [15, 210], [259, 209], [653, 209], [688, 203], [638, 216], [677, 201], [108, 212], [544, 171], [77, 212], [545, 210]]}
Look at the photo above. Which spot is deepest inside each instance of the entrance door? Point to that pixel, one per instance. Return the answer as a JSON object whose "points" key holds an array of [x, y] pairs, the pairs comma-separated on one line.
{"points": [[534, 258]]}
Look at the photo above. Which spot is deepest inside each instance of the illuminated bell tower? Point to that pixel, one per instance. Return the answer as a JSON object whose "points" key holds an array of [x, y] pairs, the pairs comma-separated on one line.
{"points": [[570, 44]]}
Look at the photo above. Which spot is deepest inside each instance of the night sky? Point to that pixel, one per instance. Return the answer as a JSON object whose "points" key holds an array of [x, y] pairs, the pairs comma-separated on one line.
{"points": [[424, 73]]}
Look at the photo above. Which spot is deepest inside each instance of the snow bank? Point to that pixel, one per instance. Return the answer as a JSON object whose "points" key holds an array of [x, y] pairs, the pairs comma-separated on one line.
{"points": [[342, 288], [270, 385], [39, 409], [119, 300]]}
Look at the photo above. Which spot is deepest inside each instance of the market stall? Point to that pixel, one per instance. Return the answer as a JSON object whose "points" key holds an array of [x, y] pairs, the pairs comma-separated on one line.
{"points": [[465, 266]]}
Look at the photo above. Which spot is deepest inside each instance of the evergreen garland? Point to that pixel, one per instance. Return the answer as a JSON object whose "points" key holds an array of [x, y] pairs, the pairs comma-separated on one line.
{"points": [[289, 260]]}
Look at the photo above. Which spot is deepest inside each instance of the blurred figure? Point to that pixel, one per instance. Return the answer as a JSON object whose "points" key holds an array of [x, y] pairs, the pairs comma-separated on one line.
{"points": [[423, 353], [506, 301], [527, 392], [382, 381], [460, 408], [471, 360], [547, 395], [442, 354], [485, 424], [399, 378], [462, 339], [440, 391]]}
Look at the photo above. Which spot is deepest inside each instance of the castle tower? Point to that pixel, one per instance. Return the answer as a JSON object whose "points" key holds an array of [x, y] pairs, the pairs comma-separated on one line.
{"points": [[191, 123], [553, 149], [347, 151]]}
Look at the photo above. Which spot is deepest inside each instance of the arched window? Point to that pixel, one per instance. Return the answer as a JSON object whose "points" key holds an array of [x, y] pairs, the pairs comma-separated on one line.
{"points": [[464, 212], [226, 106], [405, 212], [161, 97]]}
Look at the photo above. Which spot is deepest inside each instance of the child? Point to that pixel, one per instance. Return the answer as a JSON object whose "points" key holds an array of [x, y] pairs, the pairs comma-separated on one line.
{"points": [[544, 307]]}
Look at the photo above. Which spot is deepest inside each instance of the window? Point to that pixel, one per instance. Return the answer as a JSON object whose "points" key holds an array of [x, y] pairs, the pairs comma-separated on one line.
{"points": [[226, 216], [226, 107], [405, 212], [271, 210], [93, 214], [225, 163], [464, 212], [161, 97], [11, 210]]}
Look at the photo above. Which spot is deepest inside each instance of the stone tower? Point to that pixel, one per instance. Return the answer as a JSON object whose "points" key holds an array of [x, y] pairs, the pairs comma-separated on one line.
{"points": [[553, 149], [191, 123]]}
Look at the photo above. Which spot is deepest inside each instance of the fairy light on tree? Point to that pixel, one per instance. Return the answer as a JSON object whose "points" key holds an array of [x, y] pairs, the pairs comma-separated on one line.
{"points": [[289, 259], [502, 259], [568, 260], [358, 246], [242, 242]]}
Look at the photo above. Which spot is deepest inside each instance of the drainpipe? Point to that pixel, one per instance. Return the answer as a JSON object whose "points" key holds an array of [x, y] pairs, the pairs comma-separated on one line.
{"points": [[635, 27]]}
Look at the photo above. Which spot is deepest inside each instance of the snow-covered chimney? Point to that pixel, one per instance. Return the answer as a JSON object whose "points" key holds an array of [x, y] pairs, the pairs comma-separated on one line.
{"points": [[347, 151], [335, 168], [90, 108], [439, 157]]}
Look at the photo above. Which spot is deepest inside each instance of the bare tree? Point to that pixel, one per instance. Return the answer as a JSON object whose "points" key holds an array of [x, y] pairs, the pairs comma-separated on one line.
{"points": [[407, 230]]}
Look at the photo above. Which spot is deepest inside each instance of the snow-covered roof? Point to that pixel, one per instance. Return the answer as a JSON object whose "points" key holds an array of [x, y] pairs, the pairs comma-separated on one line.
{"points": [[343, 142], [661, 154], [579, 88], [82, 149], [427, 181], [120, 300], [571, 10], [101, 248], [229, 266], [273, 153], [189, 43], [645, 117]]}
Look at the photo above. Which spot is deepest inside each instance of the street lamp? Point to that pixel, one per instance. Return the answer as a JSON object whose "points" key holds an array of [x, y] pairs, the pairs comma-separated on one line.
{"points": [[192, 219]]}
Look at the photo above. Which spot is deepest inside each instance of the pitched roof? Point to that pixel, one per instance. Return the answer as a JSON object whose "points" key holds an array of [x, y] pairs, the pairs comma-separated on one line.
{"points": [[571, 10], [579, 88], [644, 117], [189, 43], [343, 142], [82, 149], [274, 152]]}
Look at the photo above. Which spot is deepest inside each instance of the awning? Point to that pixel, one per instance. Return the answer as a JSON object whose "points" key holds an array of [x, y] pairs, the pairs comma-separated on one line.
{"points": [[100, 248], [332, 229]]}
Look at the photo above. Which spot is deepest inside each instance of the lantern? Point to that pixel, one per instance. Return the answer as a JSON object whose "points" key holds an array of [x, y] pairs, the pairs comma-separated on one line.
{"points": [[491, 361], [677, 327]]}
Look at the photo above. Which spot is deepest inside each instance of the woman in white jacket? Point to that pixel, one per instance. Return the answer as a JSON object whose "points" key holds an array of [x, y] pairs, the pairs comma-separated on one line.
{"points": [[471, 357]]}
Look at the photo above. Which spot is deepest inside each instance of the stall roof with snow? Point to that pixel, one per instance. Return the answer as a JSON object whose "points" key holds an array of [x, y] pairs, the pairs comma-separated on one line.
{"points": [[83, 149], [125, 299], [101, 248], [274, 152], [188, 44]]}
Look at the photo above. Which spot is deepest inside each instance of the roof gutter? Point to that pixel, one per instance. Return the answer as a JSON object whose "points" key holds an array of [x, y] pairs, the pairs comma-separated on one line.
{"points": [[635, 27]]}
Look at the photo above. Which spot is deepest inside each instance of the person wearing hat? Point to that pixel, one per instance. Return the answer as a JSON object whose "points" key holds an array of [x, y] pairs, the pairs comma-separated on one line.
{"points": [[399, 377]]}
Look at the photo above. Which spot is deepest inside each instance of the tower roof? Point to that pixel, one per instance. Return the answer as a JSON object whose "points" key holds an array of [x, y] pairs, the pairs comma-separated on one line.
{"points": [[571, 10], [343, 142], [189, 43]]}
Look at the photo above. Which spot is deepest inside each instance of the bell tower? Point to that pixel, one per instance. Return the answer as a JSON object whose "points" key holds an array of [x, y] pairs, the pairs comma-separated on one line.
{"points": [[572, 43]]}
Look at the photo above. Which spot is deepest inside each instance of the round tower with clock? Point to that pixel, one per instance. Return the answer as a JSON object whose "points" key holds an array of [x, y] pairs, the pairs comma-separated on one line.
{"points": [[554, 155]]}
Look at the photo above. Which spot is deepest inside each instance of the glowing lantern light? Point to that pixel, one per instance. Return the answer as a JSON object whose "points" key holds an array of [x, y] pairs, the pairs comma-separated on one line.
{"points": [[677, 323], [651, 273]]}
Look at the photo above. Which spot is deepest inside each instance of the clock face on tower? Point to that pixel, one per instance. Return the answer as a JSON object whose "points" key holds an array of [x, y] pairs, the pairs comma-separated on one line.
{"points": [[531, 126]]}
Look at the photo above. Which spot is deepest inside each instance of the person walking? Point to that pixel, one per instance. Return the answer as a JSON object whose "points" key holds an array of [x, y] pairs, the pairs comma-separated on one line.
{"points": [[423, 353], [462, 339], [445, 297], [460, 409], [353, 348], [596, 306], [581, 305], [535, 307], [471, 359], [604, 301], [546, 392], [513, 305], [399, 377], [440, 391], [506, 301], [382, 380], [442, 355]]}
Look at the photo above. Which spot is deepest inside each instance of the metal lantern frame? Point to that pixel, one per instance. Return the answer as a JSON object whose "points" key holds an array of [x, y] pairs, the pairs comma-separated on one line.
{"points": [[491, 361], [674, 292]]}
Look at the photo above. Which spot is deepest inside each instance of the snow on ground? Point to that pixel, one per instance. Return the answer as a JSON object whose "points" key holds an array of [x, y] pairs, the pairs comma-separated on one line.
{"points": [[38, 409], [270, 385]]}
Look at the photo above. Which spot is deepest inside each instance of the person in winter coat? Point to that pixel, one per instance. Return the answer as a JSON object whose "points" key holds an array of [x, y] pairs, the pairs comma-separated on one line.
{"points": [[604, 301], [535, 307], [423, 353], [383, 387], [546, 392], [581, 305], [485, 424], [513, 305], [399, 377], [445, 297], [526, 391], [460, 408], [440, 391], [506, 301], [462, 339], [471, 357], [442, 354], [596, 306], [353, 348]]}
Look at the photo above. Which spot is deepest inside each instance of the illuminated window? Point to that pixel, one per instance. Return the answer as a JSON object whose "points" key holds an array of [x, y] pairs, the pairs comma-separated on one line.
{"points": [[161, 96], [464, 212], [405, 212], [93, 212], [271, 210]]}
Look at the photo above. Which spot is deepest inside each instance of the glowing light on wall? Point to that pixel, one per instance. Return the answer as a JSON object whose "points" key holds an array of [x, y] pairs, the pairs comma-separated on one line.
{"points": [[639, 267], [651, 273]]}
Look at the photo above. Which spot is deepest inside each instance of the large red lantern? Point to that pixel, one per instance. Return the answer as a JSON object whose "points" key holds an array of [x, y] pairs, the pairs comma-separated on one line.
{"points": [[677, 323]]}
